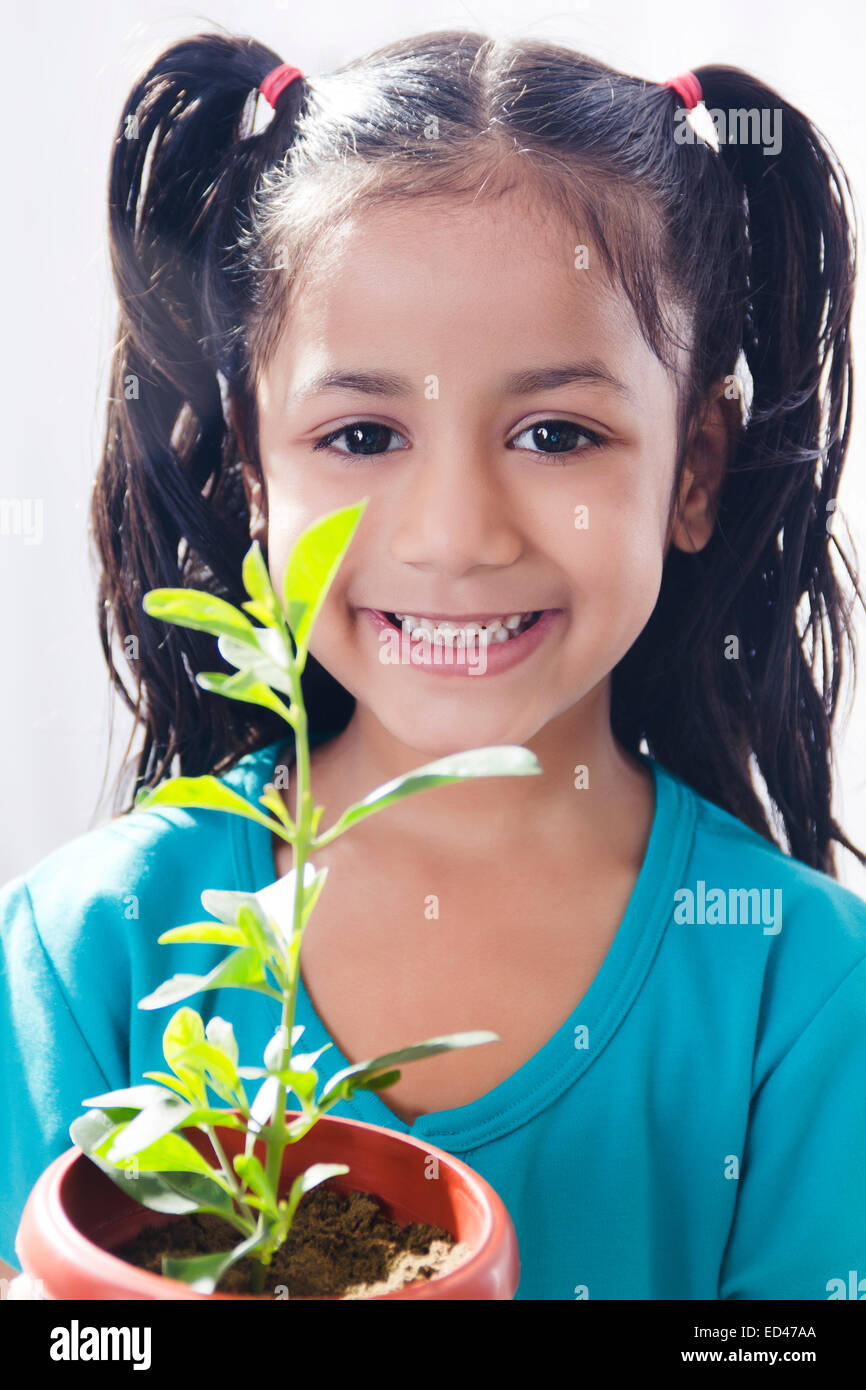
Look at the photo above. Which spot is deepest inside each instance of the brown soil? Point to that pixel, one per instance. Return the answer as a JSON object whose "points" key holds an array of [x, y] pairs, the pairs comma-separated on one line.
{"points": [[340, 1245]]}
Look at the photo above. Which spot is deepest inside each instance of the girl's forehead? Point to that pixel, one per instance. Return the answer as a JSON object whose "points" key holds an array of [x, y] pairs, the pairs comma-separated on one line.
{"points": [[494, 255], [422, 235], [479, 289], [510, 248]]}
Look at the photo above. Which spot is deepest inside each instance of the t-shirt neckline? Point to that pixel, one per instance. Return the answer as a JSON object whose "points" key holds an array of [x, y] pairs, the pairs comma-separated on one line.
{"points": [[563, 1059]]}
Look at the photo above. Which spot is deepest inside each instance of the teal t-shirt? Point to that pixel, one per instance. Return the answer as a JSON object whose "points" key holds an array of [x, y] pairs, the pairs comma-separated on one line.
{"points": [[696, 1129]]}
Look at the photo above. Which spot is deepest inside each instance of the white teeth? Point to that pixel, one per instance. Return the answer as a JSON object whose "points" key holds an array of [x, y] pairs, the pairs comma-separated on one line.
{"points": [[497, 630]]}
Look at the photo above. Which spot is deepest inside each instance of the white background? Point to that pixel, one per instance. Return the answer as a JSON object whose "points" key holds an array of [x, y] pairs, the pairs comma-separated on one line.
{"points": [[67, 72]]}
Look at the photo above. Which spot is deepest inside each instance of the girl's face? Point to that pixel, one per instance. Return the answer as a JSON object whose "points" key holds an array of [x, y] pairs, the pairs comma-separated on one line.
{"points": [[516, 439]]}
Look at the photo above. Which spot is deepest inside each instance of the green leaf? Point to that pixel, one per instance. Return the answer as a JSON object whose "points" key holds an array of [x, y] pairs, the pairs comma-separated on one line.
{"points": [[257, 582], [149, 1126], [269, 662], [257, 931], [224, 902], [175, 1193], [136, 1097], [510, 760], [275, 1047], [272, 801], [196, 609], [277, 899], [219, 1033], [184, 1028], [206, 792], [253, 1073], [303, 1082], [258, 610], [314, 561], [206, 1058], [301, 1076], [240, 970], [219, 932], [172, 1081], [311, 892], [239, 909], [343, 1083], [203, 1272], [202, 1193], [250, 1170], [171, 1153], [299, 1127], [304, 1061], [262, 1107], [259, 1204], [89, 1131], [210, 1115], [242, 685], [379, 1083]]}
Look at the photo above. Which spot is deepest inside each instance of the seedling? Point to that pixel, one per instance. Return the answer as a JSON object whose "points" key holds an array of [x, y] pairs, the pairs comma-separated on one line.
{"points": [[140, 1129]]}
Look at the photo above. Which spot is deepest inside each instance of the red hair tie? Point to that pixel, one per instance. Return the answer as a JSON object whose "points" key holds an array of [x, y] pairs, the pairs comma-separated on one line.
{"points": [[688, 87], [277, 80]]}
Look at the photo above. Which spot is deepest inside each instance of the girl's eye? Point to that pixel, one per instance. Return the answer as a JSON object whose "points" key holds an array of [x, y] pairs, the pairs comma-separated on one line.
{"points": [[552, 436], [557, 437], [366, 434]]}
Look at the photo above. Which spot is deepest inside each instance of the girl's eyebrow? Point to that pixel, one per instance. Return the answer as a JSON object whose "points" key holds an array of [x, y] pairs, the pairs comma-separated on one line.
{"points": [[523, 383]]}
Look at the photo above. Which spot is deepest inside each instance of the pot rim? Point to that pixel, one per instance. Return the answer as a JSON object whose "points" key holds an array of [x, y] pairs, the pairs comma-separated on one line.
{"points": [[69, 1252]]}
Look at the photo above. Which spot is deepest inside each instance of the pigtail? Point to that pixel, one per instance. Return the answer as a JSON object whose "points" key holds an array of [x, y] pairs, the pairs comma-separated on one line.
{"points": [[767, 577], [168, 507]]}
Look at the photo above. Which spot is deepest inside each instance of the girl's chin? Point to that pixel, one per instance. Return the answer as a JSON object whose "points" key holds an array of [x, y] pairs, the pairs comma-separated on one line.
{"points": [[436, 728]]}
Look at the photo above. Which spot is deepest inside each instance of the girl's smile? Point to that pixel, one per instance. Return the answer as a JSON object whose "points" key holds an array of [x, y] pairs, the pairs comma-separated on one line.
{"points": [[447, 648]]}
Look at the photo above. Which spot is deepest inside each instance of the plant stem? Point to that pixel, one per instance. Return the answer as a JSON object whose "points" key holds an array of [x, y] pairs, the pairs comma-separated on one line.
{"points": [[230, 1175], [303, 827], [258, 1276]]}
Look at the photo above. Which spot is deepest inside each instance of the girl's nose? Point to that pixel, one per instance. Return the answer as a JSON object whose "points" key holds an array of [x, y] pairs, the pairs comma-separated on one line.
{"points": [[457, 515]]}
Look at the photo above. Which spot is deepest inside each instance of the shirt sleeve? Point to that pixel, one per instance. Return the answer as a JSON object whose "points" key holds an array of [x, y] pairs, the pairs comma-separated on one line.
{"points": [[799, 1227], [47, 1063]]}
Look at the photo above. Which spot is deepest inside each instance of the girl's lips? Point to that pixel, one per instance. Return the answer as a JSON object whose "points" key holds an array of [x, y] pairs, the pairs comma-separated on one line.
{"points": [[497, 657]]}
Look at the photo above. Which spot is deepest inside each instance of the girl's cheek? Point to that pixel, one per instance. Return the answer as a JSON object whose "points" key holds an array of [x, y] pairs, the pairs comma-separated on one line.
{"points": [[617, 528], [290, 513], [614, 561]]}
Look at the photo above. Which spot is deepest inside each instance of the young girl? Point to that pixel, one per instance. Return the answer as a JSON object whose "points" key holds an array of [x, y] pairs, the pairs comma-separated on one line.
{"points": [[509, 295]]}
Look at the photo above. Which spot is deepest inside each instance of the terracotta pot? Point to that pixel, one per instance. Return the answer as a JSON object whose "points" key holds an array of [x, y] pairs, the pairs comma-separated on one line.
{"points": [[75, 1215]]}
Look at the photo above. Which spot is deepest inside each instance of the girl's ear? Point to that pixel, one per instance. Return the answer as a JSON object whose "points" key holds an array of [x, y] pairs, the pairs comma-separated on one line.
{"points": [[257, 503], [707, 460], [253, 489]]}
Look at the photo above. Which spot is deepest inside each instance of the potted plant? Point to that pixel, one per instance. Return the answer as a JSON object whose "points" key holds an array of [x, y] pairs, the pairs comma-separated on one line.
{"points": [[251, 1167]]}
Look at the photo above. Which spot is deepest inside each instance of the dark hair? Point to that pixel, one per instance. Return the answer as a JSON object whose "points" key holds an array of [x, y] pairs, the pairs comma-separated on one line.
{"points": [[756, 248]]}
